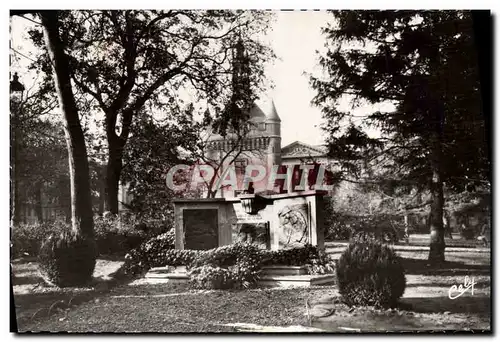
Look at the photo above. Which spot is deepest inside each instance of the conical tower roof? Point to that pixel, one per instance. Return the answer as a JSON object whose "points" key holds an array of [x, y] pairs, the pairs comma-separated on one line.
{"points": [[273, 113], [264, 110], [257, 114]]}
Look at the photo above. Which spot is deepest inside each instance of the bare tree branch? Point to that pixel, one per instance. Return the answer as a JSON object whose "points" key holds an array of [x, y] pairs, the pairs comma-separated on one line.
{"points": [[97, 95]]}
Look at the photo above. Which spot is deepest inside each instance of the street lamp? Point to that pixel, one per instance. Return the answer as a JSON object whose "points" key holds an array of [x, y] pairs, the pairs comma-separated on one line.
{"points": [[16, 91], [15, 85], [252, 203]]}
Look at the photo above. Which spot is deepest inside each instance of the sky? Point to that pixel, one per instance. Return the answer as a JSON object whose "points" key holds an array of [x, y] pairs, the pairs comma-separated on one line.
{"points": [[295, 36]]}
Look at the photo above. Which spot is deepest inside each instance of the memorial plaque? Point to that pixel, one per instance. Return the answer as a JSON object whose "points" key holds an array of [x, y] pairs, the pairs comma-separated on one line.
{"points": [[293, 225], [200, 228]]}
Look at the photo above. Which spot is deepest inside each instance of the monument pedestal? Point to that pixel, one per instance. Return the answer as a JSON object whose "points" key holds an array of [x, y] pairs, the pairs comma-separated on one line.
{"points": [[272, 276]]}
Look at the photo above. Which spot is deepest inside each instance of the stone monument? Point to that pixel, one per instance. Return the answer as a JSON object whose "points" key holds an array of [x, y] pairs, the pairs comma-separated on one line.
{"points": [[271, 221]]}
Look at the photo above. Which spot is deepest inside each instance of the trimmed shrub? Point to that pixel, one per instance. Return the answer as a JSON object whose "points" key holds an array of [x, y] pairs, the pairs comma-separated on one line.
{"points": [[67, 260], [370, 274]]}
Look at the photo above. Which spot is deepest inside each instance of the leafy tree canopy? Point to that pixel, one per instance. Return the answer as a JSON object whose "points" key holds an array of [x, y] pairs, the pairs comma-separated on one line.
{"points": [[420, 62]]}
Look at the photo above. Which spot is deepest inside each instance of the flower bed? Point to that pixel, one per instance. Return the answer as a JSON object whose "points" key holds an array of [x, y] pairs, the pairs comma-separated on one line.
{"points": [[232, 266]]}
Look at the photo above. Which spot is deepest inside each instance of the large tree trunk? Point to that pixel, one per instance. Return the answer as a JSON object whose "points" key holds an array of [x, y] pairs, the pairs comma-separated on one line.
{"points": [[437, 244], [436, 107], [81, 203], [113, 173], [102, 191]]}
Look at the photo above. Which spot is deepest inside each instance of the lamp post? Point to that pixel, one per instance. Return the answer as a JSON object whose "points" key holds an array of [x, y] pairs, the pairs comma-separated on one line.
{"points": [[16, 91]]}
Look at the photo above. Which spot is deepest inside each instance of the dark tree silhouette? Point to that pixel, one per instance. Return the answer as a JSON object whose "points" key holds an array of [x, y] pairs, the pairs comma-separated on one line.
{"points": [[424, 63]]}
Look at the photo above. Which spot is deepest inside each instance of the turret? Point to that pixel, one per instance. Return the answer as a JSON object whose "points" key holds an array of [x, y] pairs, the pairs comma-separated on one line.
{"points": [[273, 128]]}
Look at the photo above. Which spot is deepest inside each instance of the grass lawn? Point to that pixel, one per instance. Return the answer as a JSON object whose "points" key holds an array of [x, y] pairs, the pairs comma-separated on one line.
{"points": [[34, 300], [143, 307], [162, 308]]}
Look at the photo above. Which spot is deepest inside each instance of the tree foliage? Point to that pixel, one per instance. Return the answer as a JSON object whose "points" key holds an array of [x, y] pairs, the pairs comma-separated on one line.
{"points": [[422, 63], [151, 152], [43, 166], [39, 153], [379, 56], [164, 60]]}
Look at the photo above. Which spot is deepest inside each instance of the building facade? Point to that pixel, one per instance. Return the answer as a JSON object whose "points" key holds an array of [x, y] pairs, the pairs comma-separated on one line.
{"points": [[262, 146]]}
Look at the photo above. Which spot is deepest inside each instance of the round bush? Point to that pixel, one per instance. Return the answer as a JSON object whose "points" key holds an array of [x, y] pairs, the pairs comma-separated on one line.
{"points": [[67, 260], [370, 274]]}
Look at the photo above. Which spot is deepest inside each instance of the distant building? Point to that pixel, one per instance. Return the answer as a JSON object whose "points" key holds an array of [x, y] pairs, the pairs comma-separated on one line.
{"points": [[39, 206], [262, 145]]}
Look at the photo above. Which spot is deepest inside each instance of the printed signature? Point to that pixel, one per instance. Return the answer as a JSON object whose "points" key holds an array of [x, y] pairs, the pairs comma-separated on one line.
{"points": [[461, 289]]}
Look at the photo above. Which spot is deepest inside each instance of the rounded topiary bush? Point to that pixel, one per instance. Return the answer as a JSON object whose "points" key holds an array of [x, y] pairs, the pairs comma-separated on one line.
{"points": [[370, 274], [67, 260]]}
